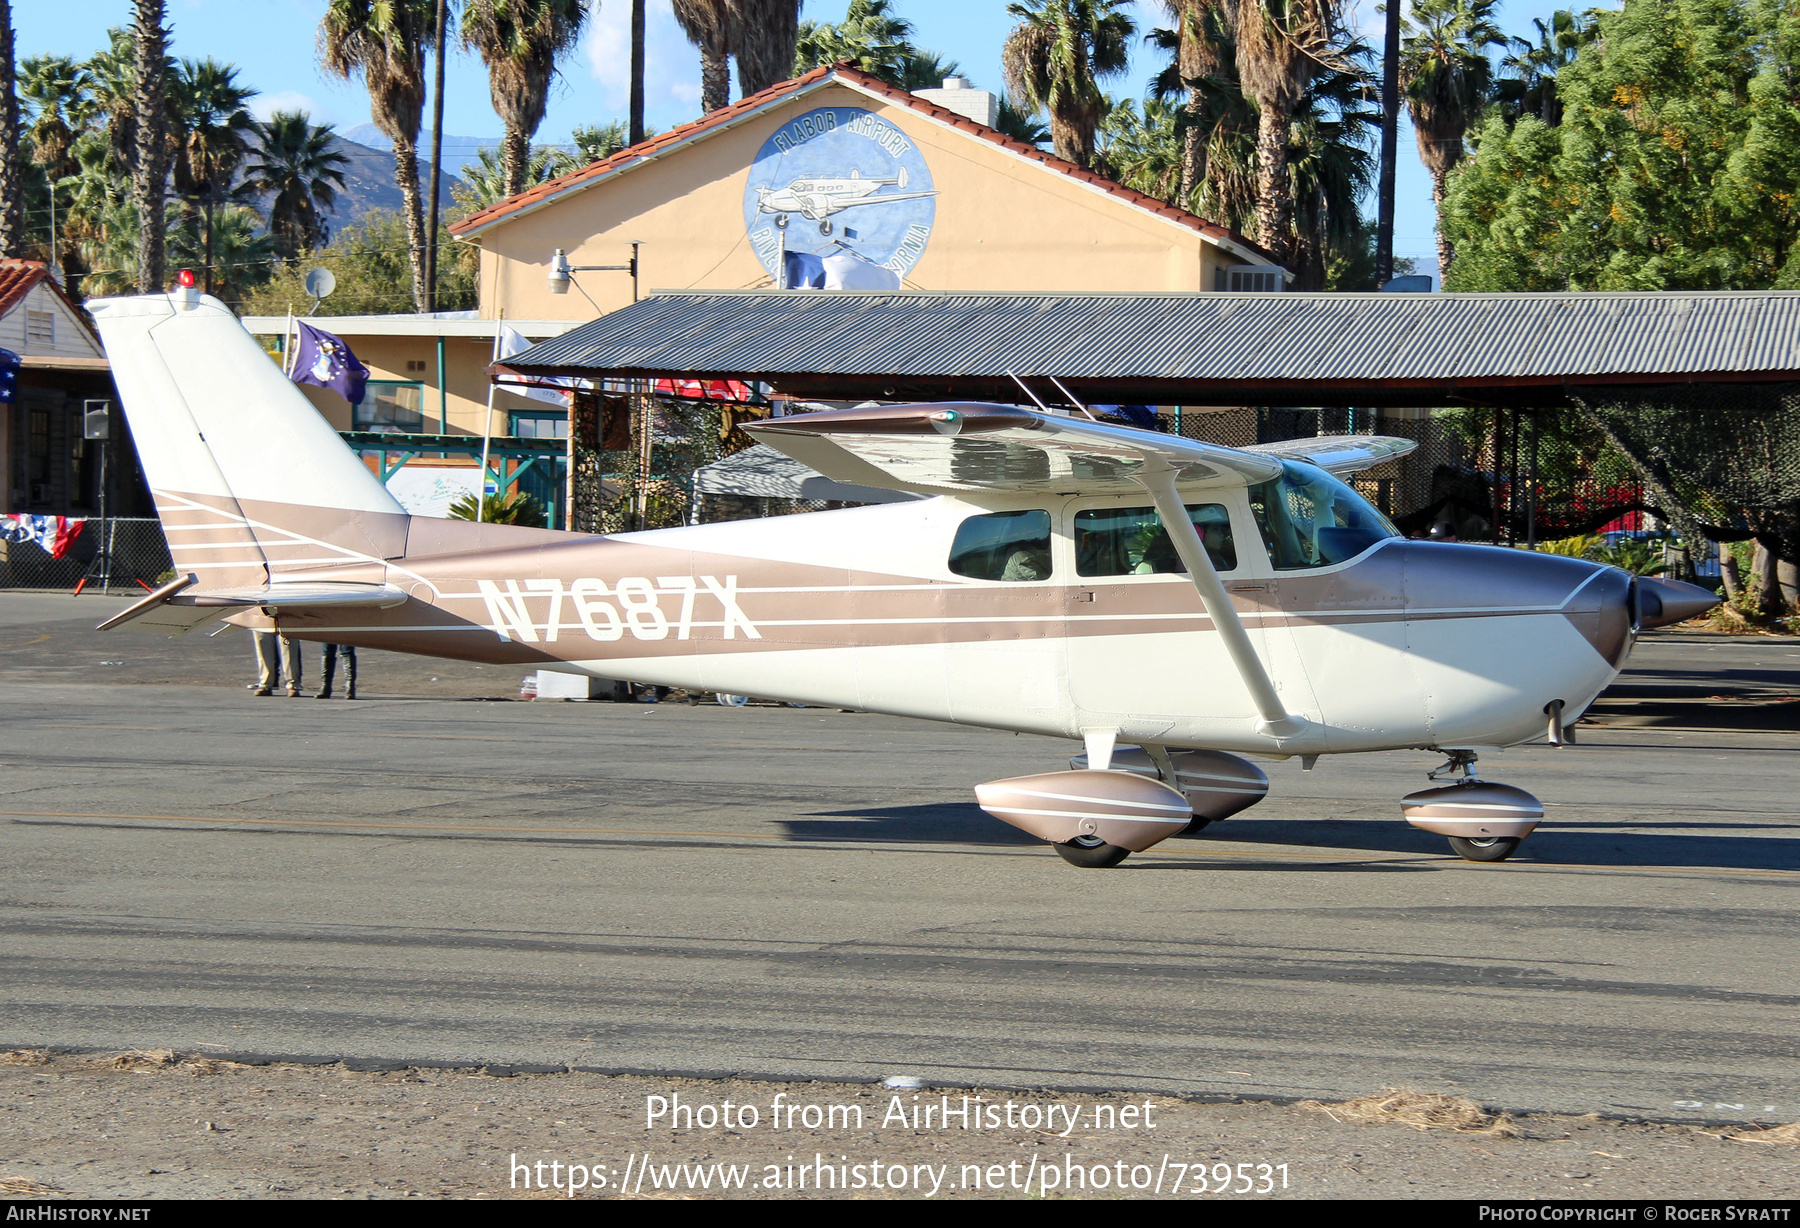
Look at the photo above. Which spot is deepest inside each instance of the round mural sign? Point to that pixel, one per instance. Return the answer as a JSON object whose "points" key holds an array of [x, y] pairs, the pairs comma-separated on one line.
{"points": [[835, 179]]}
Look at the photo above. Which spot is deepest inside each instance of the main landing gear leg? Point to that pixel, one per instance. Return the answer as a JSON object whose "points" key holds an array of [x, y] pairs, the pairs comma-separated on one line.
{"points": [[1483, 821]]}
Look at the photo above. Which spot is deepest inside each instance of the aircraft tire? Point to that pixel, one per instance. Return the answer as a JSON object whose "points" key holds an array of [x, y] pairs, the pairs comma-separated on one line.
{"points": [[1091, 853], [1493, 848]]}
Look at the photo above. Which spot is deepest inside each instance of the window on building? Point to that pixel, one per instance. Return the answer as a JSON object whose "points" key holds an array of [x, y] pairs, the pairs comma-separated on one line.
{"points": [[1131, 541], [1003, 546], [541, 424], [1249, 278], [37, 448], [40, 327], [391, 405]]}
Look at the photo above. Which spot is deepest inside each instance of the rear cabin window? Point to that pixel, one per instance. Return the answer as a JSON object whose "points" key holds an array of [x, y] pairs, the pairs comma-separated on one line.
{"points": [[1003, 546], [1131, 541]]}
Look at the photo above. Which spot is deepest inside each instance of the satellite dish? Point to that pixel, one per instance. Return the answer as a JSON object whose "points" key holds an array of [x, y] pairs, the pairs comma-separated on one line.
{"points": [[320, 283]]}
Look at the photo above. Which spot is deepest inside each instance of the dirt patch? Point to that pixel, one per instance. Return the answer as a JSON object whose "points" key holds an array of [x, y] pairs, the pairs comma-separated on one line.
{"points": [[1782, 1136], [1403, 1106], [78, 1127]]}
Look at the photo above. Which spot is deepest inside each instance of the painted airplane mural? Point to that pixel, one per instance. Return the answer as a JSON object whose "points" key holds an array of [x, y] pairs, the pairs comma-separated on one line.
{"points": [[820, 198], [1178, 608]]}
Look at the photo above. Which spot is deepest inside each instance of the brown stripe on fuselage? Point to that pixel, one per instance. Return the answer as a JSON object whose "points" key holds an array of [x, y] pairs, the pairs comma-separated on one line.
{"points": [[801, 606]]}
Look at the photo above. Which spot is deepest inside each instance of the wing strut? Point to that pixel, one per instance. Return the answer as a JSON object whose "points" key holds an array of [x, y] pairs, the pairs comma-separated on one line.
{"points": [[1158, 477]]}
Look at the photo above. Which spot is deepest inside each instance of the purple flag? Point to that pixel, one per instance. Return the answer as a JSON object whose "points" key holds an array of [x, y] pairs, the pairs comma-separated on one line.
{"points": [[324, 360]]}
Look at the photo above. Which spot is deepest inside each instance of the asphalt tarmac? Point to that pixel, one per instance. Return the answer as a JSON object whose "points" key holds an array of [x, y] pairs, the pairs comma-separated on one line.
{"points": [[441, 872]]}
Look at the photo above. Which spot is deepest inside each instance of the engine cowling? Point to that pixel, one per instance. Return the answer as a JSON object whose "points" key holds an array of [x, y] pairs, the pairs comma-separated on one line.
{"points": [[1123, 808]]}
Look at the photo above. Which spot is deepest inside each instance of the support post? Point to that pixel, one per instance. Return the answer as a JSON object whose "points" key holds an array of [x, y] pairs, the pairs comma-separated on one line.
{"points": [[1158, 477], [443, 392]]}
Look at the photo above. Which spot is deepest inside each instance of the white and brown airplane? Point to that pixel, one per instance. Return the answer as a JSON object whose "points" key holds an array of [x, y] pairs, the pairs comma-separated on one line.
{"points": [[1173, 605]]}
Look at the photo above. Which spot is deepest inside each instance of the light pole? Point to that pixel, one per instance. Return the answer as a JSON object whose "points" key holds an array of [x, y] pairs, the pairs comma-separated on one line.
{"points": [[561, 272]]}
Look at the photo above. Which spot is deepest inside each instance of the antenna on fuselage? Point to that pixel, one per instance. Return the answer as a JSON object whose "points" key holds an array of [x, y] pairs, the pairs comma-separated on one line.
{"points": [[1028, 392], [1072, 397]]}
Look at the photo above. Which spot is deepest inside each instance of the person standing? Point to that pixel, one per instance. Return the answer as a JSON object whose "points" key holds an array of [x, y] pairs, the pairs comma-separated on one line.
{"points": [[274, 653], [330, 667]]}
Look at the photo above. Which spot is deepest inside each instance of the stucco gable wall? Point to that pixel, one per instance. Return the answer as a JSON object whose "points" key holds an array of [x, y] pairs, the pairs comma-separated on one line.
{"points": [[1002, 223]]}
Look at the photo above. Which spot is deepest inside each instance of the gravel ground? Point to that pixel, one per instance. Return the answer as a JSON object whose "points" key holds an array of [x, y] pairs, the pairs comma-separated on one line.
{"points": [[158, 1126]]}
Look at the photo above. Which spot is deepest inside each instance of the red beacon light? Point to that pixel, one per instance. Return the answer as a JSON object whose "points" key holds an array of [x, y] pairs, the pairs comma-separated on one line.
{"points": [[186, 279]]}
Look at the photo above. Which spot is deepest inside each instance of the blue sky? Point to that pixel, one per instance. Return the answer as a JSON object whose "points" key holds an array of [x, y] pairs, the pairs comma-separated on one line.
{"points": [[272, 41]]}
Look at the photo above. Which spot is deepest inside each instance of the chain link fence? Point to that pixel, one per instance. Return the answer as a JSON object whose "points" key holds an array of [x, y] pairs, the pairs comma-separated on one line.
{"points": [[113, 555]]}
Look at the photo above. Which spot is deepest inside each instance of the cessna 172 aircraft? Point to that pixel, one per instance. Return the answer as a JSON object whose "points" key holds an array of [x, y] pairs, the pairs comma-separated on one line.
{"points": [[1174, 605]]}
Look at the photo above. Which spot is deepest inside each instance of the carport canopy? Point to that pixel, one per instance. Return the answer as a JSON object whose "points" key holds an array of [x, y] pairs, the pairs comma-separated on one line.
{"points": [[1190, 349]]}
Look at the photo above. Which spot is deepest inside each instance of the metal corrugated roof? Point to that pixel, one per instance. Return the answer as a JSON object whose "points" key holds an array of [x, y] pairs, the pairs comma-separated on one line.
{"points": [[1362, 349]]}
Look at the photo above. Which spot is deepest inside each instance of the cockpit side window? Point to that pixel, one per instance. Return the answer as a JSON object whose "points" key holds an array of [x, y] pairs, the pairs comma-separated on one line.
{"points": [[1003, 546], [1309, 518], [1131, 541]]}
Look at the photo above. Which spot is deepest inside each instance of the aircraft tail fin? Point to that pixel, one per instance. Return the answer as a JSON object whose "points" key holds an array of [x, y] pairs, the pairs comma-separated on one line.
{"points": [[250, 481]]}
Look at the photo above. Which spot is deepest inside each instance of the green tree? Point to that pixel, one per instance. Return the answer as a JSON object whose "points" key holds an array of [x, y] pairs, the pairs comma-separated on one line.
{"points": [[1280, 44], [57, 88], [519, 41], [150, 40], [1674, 168], [766, 33], [484, 180], [1446, 75], [216, 132], [711, 25], [1526, 84], [596, 141], [240, 255], [297, 166], [370, 258], [1055, 58], [12, 167], [383, 42]]}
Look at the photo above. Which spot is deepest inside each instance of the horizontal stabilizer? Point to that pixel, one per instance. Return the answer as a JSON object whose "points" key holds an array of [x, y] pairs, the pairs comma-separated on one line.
{"points": [[975, 447], [177, 608], [1339, 455]]}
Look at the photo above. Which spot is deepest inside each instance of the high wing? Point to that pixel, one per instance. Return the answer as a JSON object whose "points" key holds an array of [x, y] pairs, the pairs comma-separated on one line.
{"points": [[1339, 455], [974, 447], [177, 607]]}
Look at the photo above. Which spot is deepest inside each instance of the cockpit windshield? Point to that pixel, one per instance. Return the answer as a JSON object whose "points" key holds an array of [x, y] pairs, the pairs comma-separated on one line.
{"points": [[1310, 519]]}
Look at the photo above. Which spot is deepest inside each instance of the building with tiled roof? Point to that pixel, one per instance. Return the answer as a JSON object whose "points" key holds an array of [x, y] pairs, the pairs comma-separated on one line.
{"points": [[838, 168], [48, 466]]}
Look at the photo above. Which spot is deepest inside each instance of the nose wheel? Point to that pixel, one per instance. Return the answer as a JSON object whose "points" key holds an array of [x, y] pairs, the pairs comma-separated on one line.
{"points": [[1091, 853], [1484, 848], [1483, 821]]}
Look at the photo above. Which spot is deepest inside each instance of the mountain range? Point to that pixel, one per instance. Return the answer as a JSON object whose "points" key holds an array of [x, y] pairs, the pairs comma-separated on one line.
{"points": [[369, 182]]}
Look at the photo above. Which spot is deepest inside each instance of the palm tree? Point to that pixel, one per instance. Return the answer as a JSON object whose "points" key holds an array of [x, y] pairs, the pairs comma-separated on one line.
{"points": [[1280, 43], [1195, 56], [1020, 123], [484, 182], [1054, 59], [767, 31], [1527, 84], [711, 25], [384, 42], [296, 164], [870, 36], [519, 41], [237, 252], [150, 169], [12, 170], [216, 131], [1446, 74], [57, 88]]}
